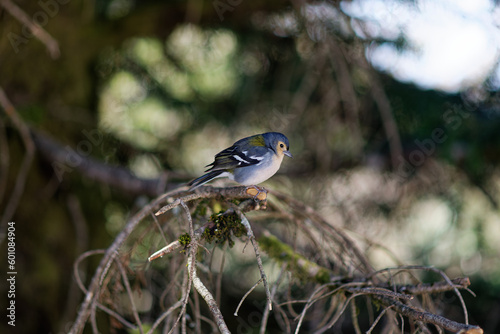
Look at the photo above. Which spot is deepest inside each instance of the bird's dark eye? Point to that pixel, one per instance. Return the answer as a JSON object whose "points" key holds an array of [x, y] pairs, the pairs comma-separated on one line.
{"points": [[281, 145]]}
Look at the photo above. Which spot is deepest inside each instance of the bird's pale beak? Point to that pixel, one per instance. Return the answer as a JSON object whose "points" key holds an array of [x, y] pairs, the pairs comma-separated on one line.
{"points": [[288, 154]]}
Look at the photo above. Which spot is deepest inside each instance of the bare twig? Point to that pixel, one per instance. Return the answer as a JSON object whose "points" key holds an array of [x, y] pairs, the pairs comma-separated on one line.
{"points": [[419, 289], [84, 290], [165, 250], [218, 282], [80, 258], [246, 295], [38, 31], [381, 314], [22, 175], [251, 237], [354, 317], [192, 254], [378, 292], [452, 286], [157, 223], [328, 229], [164, 315], [130, 294], [265, 315], [422, 315], [331, 310], [209, 299], [282, 252], [197, 313], [339, 313], [309, 303], [81, 244], [206, 192], [390, 126]]}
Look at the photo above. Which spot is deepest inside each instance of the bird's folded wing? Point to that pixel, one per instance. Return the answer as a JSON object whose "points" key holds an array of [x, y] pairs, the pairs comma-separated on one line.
{"points": [[233, 157]]}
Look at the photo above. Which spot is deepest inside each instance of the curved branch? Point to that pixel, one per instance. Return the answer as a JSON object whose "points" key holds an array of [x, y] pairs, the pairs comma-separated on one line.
{"points": [[181, 196], [66, 159]]}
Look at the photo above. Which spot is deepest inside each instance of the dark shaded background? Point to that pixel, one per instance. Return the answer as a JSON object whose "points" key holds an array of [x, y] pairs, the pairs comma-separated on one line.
{"points": [[159, 87]]}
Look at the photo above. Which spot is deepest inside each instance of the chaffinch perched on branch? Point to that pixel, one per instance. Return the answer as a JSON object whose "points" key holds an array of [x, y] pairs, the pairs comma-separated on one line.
{"points": [[249, 161]]}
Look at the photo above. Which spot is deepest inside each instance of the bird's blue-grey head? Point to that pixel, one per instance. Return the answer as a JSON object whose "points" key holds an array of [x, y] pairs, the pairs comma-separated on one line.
{"points": [[278, 142]]}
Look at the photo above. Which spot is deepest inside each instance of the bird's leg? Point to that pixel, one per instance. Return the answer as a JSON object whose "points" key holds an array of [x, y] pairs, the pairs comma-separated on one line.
{"points": [[258, 193]]}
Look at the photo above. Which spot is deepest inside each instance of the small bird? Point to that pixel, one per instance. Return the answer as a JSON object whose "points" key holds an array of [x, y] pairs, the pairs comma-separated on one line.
{"points": [[249, 161]]}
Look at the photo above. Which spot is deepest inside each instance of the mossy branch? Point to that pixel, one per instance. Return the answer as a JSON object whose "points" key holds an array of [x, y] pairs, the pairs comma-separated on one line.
{"points": [[336, 279], [302, 268]]}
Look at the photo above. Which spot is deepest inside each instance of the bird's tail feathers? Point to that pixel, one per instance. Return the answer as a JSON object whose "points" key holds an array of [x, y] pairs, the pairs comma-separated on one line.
{"points": [[204, 179]]}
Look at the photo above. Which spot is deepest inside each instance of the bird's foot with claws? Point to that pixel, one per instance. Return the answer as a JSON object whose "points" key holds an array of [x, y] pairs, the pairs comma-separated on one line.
{"points": [[258, 193]]}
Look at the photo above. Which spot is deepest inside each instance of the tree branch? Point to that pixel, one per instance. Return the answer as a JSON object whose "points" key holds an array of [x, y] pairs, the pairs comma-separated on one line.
{"points": [[424, 316], [38, 32], [115, 176], [209, 299], [22, 175]]}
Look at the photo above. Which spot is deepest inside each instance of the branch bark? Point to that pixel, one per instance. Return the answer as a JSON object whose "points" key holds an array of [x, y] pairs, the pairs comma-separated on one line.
{"points": [[181, 196], [38, 31], [118, 177], [424, 316]]}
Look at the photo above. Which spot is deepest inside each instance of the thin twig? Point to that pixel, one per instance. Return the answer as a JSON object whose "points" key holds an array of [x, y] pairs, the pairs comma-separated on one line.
{"points": [[310, 302], [157, 223], [197, 313], [251, 237], [22, 175], [322, 225], [79, 259], [354, 317], [80, 284], [38, 31], [422, 315], [165, 250], [390, 125], [218, 281], [265, 315], [192, 252], [209, 321], [206, 192], [437, 287], [441, 273], [81, 244], [246, 295], [164, 315], [186, 288], [130, 294], [381, 314], [379, 292], [339, 313], [93, 320], [331, 310]]}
